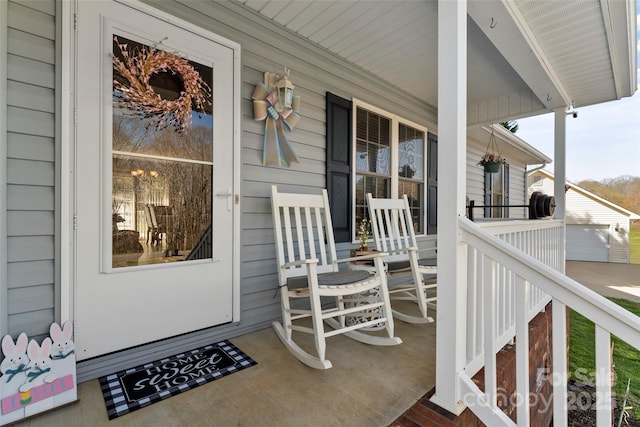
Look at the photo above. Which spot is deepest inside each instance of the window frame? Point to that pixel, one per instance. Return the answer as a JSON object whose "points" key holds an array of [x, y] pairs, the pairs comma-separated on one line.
{"points": [[489, 193], [394, 157]]}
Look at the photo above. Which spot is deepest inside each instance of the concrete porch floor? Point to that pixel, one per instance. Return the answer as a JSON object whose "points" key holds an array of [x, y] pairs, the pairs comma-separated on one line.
{"points": [[367, 386]]}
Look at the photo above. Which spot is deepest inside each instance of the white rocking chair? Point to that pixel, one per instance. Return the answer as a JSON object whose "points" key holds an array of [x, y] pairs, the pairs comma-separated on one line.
{"points": [[393, 233], [308, 270]]}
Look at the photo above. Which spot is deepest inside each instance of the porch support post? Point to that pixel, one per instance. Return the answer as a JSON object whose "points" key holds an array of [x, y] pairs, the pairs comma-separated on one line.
{"points": [[559, 310], [560, 161], [452, 142]]}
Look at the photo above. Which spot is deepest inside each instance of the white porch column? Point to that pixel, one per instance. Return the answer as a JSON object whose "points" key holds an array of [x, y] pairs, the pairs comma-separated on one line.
{"points": [[452, 142], [559, 310], [560, 161]]}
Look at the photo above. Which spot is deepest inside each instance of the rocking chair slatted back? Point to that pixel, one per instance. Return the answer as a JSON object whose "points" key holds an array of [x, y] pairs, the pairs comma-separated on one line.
{"points": [[392, 226], [304, 229], [393, 233]]}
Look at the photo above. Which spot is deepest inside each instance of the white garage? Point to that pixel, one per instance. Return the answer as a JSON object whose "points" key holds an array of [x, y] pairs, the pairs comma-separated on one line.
{"points": [[588, 242], [596, 229]]}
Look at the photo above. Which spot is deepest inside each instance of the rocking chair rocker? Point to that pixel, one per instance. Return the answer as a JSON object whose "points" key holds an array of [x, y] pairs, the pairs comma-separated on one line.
{"points": [[308, 270], [394, 234]]}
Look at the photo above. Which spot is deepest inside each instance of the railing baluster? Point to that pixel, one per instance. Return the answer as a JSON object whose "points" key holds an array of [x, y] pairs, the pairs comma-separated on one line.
{"points": [[559, 340], [490, 379], [472, 303], [603, 377], [522, 352]]}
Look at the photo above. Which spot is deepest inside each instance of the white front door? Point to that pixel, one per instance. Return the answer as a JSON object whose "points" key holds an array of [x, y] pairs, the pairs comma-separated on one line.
{"points": [[154, 188]]}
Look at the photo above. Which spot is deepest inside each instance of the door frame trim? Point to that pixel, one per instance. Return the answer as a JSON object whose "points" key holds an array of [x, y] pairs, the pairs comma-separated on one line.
{"points": [[68, 23]]}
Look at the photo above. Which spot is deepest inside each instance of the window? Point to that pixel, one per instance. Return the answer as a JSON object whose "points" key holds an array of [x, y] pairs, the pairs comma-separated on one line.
{"points": [[496, 193], [371, 150], [389, 161], [161, 177]]}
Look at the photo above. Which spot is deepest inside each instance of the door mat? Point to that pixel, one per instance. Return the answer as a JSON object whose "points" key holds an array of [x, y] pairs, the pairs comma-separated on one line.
{"points": [[135, 388]]}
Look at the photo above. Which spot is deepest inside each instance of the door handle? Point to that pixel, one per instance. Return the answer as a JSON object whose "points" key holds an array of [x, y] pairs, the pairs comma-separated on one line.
{"points": [[228, 194]]}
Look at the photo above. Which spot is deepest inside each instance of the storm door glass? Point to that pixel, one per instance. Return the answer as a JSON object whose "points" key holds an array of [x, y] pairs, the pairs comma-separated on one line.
{"points": [[162, 156]]}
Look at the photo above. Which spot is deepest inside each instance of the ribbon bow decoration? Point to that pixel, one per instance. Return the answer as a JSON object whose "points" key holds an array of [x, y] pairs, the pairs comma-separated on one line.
{"points": [[276, 146], [13, 372]]}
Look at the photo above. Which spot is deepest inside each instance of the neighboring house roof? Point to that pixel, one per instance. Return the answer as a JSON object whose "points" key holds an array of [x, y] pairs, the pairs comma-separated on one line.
{"points": [[590, 195], [509, 144]]}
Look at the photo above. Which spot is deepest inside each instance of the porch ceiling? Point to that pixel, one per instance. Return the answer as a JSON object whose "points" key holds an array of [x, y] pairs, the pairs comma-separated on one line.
{"points": [[545, 53]]}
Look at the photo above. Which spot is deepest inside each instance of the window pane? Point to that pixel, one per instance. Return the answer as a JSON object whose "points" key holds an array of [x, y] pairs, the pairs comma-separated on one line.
{"points": [[135, 129], [411, 152], [496, 185], [378, 187], [379, 159], [497, 211], [160, 209], [361, 124], [372, 158], [161, 162], [414, 192]]}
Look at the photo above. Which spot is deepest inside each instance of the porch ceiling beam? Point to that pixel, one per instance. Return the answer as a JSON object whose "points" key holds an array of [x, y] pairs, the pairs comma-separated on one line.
{"points": [[506, 107], [506, 28], [618, 19]]}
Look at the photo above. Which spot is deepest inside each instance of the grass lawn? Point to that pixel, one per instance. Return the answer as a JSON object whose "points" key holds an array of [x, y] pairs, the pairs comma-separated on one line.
{"points": [[582, 359], [634, 245]]}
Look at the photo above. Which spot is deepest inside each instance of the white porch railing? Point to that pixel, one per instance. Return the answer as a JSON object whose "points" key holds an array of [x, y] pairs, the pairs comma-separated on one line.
{"points": [[539, 239], [511, 266]]}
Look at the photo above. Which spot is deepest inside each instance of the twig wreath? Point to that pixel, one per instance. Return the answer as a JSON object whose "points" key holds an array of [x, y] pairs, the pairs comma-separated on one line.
{"points": [[138, 95]]}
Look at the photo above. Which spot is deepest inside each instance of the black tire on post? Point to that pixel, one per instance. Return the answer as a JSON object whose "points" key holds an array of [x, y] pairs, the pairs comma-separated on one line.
{"points": [[532, 204], [549, 205], [540, 206]]}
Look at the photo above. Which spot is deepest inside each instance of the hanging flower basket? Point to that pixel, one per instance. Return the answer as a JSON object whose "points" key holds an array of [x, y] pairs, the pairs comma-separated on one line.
{"points": [[492, 167], [492, 159]]}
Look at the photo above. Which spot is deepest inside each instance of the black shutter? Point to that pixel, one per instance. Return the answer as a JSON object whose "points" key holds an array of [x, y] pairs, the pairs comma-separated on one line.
{"points": [[487, 193], [432, 183], [339, 134], [505, 187]]}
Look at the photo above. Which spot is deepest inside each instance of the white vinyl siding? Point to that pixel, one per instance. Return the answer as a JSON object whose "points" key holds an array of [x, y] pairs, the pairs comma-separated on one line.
{"points": [[31, 100]]}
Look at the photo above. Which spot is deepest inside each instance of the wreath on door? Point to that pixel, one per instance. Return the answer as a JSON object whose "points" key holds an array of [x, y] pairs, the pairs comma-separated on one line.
{"points": [[136, 93]]}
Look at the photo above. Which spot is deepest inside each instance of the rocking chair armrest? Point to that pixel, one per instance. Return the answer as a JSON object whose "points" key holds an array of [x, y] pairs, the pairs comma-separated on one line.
{"points": [[363, 257], [403, 250], [434, 250], [299, 262]]}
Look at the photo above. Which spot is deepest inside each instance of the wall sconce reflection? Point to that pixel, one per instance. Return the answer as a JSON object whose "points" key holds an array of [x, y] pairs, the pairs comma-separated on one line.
{"points": [[142, 172]]}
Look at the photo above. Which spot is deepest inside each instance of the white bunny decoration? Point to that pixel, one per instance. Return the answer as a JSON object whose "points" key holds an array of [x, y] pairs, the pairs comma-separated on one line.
{"points": [[38, 373], [63, 346], [15, 361], [14, 373], [64, 359], [39, 367], [36, 378]]}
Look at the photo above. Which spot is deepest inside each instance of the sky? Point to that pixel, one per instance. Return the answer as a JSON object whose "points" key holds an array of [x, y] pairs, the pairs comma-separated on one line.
{"points": [[602, 142]]}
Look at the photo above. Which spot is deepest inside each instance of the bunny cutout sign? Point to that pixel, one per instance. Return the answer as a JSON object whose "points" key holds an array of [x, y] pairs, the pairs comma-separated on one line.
{"points": [[37, 377]]}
